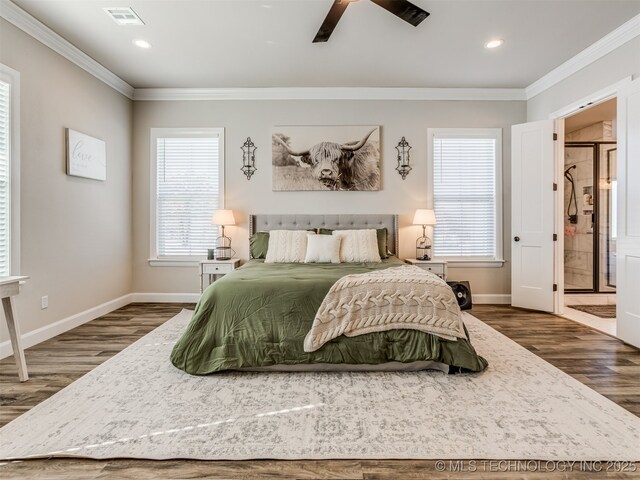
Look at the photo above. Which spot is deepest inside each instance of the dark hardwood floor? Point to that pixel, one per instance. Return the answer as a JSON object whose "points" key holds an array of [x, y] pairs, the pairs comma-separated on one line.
{"points": [[603, 363]]}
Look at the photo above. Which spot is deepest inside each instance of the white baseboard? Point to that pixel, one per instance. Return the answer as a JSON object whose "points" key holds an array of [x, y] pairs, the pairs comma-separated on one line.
{"points": [[484, 298], [165, 297], [49, 331]]}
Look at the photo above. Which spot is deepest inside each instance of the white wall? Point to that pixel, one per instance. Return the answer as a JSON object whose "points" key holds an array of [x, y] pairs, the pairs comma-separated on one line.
{"points": [[620, 63], [255, 119], [76, 233]]}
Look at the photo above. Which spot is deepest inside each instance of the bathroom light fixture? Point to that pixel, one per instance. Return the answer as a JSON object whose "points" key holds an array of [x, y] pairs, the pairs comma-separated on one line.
{"points": [[494, 43], [141, 43]]}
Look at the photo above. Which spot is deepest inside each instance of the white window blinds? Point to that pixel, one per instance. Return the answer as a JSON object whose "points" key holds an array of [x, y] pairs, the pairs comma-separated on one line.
{"points": [[5, 178], [188, 190], [465, 196]]}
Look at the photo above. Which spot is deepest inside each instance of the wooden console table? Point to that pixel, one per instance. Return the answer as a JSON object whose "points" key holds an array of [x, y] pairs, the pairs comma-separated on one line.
{"points": [[10, 286]]}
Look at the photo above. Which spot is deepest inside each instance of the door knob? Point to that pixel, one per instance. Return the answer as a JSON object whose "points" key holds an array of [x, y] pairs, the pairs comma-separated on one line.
{"points": [[517, 239]]}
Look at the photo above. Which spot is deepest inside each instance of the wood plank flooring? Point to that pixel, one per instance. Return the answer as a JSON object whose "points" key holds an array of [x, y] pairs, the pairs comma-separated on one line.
{"points": [[603, 363]]}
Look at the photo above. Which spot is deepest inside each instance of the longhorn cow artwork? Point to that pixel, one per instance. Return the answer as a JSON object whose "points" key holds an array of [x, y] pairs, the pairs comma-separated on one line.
{"points": [[326, 158]]}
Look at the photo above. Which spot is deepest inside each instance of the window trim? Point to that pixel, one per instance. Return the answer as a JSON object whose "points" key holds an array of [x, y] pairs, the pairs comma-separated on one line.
{"points": [[496, 133], [155, 133], [12, 77]]}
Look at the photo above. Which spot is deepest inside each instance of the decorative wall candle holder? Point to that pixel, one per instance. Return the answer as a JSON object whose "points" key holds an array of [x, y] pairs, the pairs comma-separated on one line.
{"points": [[248, 158], [403, 167]]}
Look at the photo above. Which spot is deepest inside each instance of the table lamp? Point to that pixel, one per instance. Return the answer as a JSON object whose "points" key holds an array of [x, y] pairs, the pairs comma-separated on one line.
{"points": [[424, 217], [223, 249]]}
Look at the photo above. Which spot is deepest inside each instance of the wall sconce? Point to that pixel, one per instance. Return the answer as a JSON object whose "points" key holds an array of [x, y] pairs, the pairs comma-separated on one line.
{"points": [[403, 167], [248, 158]]}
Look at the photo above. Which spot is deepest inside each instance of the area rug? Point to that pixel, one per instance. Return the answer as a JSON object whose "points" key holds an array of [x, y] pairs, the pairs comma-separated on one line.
{"points": [[138, 405], [602, 311]]}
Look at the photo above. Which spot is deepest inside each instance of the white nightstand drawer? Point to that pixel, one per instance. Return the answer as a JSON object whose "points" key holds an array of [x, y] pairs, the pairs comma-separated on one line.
{"points": [[435, 266], [210, 270], [437, 269], [217, 268]]}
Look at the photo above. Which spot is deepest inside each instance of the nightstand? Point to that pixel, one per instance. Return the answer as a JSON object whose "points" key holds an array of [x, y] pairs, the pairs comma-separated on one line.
{"points": [[214, 268], [435, 265]]}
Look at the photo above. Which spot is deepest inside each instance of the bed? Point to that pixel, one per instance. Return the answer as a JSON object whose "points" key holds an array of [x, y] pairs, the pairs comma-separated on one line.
{"points": [[256, 317]]}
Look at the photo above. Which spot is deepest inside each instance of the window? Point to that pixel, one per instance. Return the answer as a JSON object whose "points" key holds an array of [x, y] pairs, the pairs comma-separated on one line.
{"points": [[9, 171], [466, 185], [187, 175]]}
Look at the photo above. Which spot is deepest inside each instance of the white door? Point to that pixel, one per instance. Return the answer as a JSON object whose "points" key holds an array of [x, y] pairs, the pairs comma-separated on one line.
{"points": [[628, 241], [532, 215]]}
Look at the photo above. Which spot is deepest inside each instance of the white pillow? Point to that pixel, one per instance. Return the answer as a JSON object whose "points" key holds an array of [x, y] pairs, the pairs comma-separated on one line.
{"points": [[358, 245], [322, 249], [287, 246]]}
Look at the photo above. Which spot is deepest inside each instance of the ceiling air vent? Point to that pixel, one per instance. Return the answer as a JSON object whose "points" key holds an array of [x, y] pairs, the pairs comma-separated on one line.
{"points": [[124, 16]]}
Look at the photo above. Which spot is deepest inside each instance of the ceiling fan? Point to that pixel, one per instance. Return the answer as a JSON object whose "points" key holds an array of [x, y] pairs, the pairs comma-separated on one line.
{"points": [[404, 9]]}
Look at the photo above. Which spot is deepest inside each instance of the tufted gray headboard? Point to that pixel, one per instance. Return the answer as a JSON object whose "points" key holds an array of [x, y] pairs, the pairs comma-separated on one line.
{"points": [[268, 221]]}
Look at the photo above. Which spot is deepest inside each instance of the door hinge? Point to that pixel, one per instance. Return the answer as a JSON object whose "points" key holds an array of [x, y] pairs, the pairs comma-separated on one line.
{"points": [[555, 136], [555, 237], [555, 287], [555, 187]]}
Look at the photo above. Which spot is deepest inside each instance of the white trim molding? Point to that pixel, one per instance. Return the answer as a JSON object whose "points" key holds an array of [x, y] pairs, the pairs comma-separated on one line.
{"points": [[30, 25], [591, 99], [618, 37], [38, 30], [49, 331], [156, 133], [12, 77], [497, 259], [330, 93], [491, 298], [165, 297]]}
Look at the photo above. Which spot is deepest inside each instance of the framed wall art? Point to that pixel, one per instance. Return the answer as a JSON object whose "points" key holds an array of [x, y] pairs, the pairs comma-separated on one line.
{"points": [[326, 158], [86, 156]]}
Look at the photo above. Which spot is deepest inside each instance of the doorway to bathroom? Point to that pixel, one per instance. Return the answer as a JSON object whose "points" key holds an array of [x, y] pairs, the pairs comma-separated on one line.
{"points": [[590, 189]]}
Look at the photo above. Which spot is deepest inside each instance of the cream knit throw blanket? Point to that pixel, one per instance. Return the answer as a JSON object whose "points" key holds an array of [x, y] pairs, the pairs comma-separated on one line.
{"points": [[394, 298]]}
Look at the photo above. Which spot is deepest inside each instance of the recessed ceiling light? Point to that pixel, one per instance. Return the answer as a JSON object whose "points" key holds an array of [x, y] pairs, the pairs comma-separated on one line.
{"points": [[124, 15], [494, 43], [141, 43]]}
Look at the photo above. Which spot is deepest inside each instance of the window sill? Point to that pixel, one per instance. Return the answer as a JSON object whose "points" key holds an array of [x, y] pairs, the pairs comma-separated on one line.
{"points": [[454, 263], [173, 262]]}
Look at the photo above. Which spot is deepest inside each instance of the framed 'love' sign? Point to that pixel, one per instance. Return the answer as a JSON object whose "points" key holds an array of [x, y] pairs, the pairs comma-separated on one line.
{"points": [[86, 156]]}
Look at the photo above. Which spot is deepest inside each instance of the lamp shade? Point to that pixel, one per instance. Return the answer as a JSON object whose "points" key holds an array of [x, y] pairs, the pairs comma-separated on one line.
{"points": [[424, 216], [223, 217]]}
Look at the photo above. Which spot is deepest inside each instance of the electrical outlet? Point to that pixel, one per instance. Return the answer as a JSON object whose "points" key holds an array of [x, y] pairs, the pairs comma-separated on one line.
{"points": [[45, 302]]}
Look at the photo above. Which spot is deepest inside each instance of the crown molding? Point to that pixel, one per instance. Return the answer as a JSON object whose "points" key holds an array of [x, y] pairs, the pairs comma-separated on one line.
{"points": [[30, 25], [330, 93], [592, 99], [618, 37]]}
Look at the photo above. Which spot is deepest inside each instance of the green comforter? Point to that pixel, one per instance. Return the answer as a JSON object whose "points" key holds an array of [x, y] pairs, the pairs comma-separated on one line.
{"points": [[259, 314]]}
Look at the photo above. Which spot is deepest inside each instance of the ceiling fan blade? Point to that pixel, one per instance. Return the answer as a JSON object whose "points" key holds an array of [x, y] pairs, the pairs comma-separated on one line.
{"points": [[407, 11], [331, 20]]}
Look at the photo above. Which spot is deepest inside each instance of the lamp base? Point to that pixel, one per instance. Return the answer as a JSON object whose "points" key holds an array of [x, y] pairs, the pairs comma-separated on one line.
{"points": [[224, 250]]}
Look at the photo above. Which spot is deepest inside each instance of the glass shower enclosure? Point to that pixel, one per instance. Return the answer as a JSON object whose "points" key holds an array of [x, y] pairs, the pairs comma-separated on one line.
{"points": [[590, 216]]}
